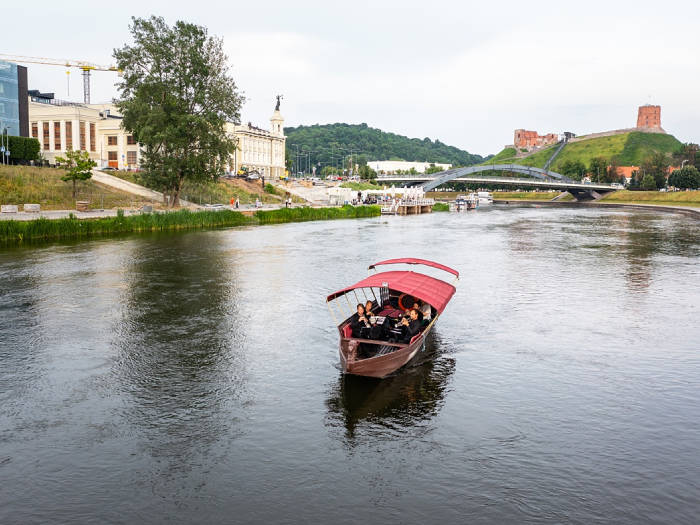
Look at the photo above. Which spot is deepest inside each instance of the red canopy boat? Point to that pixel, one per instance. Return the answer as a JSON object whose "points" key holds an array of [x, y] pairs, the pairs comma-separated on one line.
{"points": [[383, 348]]}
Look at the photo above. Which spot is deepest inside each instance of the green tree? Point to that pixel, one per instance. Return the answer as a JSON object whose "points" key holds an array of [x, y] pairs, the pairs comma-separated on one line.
{"points": [[688, 177], [367, 173], [574, 169], [176, 97], [433, 169], [79, 166], [656, 165], [598, 168], [612, 174], [648, 183]]}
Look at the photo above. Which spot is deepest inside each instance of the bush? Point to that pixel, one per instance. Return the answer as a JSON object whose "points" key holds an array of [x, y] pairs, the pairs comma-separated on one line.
{"points": [[23, 149], [648, 183], [269, 188], [441, 206], [687, 177]]}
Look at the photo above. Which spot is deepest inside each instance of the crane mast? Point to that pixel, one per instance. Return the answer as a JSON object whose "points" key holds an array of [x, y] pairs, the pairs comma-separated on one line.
{"points": [[85, 66]]}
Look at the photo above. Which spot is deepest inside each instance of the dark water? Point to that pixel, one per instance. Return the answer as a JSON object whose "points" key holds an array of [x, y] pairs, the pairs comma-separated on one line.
{"points": [[192, 378]]}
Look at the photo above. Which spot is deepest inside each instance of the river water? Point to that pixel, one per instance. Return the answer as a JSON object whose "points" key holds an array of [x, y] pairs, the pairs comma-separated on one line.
{"points": [[192, 378]]}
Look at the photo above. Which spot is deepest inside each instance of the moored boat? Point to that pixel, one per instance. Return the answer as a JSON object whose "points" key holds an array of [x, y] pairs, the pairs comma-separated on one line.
{"points": [[384, 348]]}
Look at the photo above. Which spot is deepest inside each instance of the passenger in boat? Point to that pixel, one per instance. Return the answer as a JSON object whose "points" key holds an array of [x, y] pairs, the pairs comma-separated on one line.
{"points": [[368, 308], [423, 308], [360, 325], [413, 324]]}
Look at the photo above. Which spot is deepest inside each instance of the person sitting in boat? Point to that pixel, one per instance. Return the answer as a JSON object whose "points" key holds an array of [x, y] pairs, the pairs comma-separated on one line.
{"points": [[423, 308], [412, 324], [360, 324], [368, 308]]}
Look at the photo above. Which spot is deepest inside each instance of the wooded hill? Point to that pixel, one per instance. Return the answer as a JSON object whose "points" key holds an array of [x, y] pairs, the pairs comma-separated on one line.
{"points": [[327, 144]]}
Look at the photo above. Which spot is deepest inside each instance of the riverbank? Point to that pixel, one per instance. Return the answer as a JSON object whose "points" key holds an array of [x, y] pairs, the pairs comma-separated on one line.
{"points": [[14, 232]]}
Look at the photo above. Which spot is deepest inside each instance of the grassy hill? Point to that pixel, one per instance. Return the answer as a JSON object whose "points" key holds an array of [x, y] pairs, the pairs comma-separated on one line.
{"points": [[630, 149], [329, 142]]}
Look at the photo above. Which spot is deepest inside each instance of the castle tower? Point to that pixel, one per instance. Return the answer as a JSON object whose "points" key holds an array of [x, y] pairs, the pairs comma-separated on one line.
{"points": [[649, 117]]}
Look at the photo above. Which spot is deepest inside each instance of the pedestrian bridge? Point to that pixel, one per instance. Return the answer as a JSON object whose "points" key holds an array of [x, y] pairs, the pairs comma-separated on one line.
{"points": [[536, 177]]}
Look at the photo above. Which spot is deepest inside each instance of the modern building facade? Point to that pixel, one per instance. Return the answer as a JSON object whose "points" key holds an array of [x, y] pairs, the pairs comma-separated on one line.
{"points": [[13, 99], [259, 149]]}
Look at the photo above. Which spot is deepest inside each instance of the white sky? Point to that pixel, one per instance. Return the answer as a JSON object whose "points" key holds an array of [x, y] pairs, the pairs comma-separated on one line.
{"points": [[466, 72]]}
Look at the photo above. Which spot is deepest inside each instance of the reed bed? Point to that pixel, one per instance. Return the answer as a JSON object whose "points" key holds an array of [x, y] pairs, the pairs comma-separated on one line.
{"points": [[315, 214], [73, 228], [12, 232]]}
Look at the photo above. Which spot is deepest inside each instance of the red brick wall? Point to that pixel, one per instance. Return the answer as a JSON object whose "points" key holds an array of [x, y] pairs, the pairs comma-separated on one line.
{"points": [[649, 117]]}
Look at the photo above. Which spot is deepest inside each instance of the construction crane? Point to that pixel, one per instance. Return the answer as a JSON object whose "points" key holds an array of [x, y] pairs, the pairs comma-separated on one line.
{"points": [[86, 67]]}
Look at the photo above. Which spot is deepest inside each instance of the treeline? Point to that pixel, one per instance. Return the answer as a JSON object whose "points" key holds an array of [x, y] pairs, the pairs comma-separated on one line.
{"points": [[333, 144], [22, 149], [653, 173]]}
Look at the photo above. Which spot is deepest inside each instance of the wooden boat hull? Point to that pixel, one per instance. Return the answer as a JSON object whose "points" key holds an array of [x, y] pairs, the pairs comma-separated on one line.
{"points": [[379, 366]]}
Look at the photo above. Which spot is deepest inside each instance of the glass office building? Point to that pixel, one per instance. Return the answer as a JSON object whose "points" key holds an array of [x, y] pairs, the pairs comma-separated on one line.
{"points": [[13, 99]]}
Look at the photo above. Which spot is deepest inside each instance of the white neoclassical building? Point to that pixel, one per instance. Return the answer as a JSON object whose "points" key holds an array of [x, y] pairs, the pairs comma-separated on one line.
{"points": [[259, 149], [97, 129]]}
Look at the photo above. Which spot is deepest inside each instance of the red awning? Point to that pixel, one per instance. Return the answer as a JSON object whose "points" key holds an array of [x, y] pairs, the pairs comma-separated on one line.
{"points": [[433, 291], [424, 262]]}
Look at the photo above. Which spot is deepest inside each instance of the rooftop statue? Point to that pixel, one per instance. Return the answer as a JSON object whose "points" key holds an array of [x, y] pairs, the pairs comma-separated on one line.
{"points": [[279, 98]]}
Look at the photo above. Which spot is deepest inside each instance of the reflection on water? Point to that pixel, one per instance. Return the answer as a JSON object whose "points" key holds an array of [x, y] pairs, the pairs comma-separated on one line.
{"points": [[177, 359], [409, 397]]}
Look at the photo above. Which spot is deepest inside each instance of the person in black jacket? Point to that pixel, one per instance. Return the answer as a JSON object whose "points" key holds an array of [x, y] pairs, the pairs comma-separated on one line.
{"points": [[360, 323], [412, 324]]}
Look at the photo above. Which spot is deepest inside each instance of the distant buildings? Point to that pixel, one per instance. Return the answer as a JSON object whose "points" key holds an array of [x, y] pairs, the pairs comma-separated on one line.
{"points": [[97, 128], [529, 140], [392, 166], [13, 99]]}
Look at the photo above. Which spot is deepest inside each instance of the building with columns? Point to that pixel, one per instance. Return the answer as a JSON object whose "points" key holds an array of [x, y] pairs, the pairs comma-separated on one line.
{"points": [[96, 128], [259, 149]]}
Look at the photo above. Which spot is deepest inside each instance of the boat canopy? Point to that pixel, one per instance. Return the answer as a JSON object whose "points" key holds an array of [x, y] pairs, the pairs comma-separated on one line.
{"points": [[424, 262], [433, 291]]}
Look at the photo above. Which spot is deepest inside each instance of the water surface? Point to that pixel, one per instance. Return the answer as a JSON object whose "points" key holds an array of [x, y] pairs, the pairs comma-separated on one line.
{"points": [[193, 377]]}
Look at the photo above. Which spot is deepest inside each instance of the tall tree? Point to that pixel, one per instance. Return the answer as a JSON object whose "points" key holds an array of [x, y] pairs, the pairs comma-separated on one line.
{"points": [[656, 165], [598, 168], [176, 97], [78, 165]]}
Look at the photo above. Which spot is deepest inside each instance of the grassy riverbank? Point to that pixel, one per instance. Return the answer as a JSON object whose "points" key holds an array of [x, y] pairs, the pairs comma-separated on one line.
{"points": [[12, 232], [441, 206], [674, 198], [33, 185]]}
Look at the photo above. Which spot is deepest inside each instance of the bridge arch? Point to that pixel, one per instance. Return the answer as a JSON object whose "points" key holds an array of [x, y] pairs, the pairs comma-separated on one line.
{"points": [[446, 176]]}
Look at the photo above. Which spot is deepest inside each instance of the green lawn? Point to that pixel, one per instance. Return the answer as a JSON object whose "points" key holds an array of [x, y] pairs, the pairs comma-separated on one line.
{"points": [[33, 185], [675, 198]]}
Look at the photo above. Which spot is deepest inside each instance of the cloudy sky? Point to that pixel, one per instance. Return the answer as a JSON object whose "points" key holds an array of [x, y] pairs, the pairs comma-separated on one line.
{"points": [[467, 73]]}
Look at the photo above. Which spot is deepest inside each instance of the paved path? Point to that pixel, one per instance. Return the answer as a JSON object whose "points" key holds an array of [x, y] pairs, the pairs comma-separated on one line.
{"points": [[315, 195], [130, 187]]}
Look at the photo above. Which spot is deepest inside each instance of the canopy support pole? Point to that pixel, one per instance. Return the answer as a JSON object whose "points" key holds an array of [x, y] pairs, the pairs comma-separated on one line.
{"points": [[330, 310]]}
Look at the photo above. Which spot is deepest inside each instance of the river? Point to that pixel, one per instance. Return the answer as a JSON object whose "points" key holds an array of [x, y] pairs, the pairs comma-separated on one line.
{"points": [[193, 377]]}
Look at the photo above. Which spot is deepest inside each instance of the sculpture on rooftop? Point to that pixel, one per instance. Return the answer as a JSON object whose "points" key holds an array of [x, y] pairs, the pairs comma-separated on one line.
{"points": [[279, 98]]}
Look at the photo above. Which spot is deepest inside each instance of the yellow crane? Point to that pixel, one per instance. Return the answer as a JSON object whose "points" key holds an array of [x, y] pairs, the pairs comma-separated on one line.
{"points": [[86, 67]]}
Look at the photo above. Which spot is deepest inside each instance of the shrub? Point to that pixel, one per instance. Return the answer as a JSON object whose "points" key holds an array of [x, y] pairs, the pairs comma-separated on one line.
{"points": [[269, 188]]}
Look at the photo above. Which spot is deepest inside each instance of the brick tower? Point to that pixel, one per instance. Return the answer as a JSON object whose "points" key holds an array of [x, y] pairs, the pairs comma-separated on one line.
{"points": [[649, 117]]}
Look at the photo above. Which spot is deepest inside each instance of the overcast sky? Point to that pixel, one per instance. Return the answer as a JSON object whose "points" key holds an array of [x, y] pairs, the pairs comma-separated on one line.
{"points": [[467, 73]]}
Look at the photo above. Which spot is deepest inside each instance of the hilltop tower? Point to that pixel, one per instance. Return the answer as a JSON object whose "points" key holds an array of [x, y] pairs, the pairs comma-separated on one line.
{"points": [[649, 117]]}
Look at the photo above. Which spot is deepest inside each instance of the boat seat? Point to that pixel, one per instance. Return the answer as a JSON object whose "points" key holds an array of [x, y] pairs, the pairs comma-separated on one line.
{"points": [[347, 331], [385, 349], [413, 339]]}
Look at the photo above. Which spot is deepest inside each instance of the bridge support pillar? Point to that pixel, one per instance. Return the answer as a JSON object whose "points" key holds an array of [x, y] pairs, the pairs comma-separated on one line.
{"points": [[587, 195]]}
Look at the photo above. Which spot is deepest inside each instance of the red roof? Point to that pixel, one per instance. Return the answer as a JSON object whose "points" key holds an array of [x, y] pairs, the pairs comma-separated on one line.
{"points": [[424, 262], [433, 291]]}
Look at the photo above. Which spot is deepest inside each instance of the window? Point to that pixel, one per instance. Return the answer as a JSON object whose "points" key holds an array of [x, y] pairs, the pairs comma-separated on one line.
{"points": [[112, 155], [131, 158], [45, 134], [111, 140], [35, 130], [82, 135], [92, 137], [57, 136], [130, 140], [69, 135]]}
